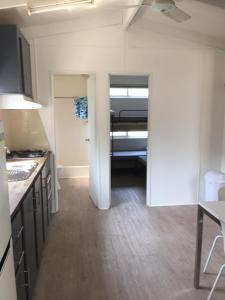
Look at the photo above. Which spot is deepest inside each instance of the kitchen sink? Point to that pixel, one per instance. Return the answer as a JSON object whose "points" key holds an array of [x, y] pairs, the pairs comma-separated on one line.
{"points": [[20, 170]]}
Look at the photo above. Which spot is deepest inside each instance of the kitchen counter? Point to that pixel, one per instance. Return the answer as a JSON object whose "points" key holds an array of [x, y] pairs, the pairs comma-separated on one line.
{"points": [[19, 189]]}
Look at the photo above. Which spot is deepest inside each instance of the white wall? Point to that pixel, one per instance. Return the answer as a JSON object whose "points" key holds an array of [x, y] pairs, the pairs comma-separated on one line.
{"points": [[70, 132], [24, 130], [185, 79]]}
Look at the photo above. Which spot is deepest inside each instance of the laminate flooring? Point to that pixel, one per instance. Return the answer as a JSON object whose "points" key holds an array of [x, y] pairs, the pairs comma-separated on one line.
{"points": [[129, 252]]}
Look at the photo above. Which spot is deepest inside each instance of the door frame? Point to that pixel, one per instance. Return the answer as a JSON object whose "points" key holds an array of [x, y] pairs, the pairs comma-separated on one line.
{"points": [[149, 145], [52, 116]]}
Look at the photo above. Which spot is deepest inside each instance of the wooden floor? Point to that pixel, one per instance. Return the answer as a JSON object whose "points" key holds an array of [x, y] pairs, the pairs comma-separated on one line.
{"points": [[129, 252]]}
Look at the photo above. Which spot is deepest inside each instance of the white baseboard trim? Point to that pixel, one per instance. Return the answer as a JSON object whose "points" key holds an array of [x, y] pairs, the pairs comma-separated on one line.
{"points": [[72, 171], [173, 204]]}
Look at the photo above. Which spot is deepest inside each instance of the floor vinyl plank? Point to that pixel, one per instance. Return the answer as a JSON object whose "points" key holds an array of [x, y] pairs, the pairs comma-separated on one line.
{"points": [[130, 252]]}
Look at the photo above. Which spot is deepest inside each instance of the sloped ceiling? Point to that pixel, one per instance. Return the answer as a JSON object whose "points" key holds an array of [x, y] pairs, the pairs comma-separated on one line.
{"points": [[207, 20]]}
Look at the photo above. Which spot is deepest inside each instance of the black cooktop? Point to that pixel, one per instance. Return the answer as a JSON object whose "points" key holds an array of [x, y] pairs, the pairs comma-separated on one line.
{"points": [[26, 154]]}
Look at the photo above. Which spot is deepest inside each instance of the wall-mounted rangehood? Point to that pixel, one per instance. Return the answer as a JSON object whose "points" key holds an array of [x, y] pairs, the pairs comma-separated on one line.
{"points": [[16, 101], [15, 70]]}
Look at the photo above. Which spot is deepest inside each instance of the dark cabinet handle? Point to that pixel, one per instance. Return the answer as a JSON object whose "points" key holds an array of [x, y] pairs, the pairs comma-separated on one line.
{"points": [[50, 195], [20, 232], [49, 178], [21, 259], [27, 284]]}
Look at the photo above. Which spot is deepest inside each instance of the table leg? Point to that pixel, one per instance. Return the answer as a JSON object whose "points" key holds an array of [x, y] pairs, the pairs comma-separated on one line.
{"points": [[198, 253]]}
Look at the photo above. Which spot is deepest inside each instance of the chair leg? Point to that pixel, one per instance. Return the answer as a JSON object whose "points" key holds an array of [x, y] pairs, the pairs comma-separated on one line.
{"points": [[211, 251], [215, 282]]}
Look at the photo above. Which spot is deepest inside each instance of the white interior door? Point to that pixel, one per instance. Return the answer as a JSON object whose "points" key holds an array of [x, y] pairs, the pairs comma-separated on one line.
{"points": [[93, 153]]}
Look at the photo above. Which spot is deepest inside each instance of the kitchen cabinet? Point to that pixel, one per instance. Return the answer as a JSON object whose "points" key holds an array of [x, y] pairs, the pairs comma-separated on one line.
{"points": [[45, 208], [47, 195], [21, 284], [29, 242], [38, 217], [15, 71], [29, 230], [17, 236]]}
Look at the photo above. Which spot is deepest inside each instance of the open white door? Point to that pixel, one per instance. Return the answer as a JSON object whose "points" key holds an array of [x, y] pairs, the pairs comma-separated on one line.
{"points": [[93, 154]]}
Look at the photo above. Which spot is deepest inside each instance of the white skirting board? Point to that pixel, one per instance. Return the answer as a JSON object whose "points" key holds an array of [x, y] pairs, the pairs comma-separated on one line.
{"points": [[72, 171]]}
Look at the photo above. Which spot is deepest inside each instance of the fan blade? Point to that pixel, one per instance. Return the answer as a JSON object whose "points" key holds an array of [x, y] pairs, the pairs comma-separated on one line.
{"points": [[177, 15], [218, 3]]}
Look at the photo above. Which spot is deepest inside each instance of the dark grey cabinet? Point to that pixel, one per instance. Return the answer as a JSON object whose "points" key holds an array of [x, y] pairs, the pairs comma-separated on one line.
{"points": [[47, 195], [29, 230], [45, 208], [15, 63], [18, 249], [38, 216], [29, 242], [21, 285]]}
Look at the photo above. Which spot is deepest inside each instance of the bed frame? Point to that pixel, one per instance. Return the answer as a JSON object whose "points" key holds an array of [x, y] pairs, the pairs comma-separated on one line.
{"points": [[128, 123]]}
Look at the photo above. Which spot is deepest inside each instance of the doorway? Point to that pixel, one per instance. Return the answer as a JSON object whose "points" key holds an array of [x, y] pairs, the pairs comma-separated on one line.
{"points": [[129, 97], [74, 113]]}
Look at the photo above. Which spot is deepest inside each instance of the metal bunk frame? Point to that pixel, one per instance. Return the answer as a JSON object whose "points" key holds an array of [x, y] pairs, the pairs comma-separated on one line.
{"points": [[120, 120]]}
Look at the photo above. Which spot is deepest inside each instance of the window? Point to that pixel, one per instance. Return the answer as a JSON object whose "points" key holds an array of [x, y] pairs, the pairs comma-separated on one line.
{"points": [[119, 134], [129, 92], [138, 92], [137, 134], [129, 134], [118, 92]]}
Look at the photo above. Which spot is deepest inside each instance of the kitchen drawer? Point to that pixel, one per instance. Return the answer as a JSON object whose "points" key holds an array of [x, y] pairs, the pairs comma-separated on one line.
{"points": [[17, 228], [18, 252], [49, 208], [37, 185], [49, 185], [46, 169], [21, 282]]}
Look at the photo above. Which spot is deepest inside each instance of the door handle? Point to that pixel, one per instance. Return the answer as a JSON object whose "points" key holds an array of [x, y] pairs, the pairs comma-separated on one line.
{"points": [[87, 140]]}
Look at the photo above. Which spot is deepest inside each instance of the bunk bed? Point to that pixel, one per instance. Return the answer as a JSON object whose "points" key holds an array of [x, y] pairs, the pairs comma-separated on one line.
{"points": [[129, 120]]}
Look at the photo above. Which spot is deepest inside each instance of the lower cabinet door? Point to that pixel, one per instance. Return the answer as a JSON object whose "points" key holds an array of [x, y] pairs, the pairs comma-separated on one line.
{"points": [[45, 211], [21, 285], [49, 196], [29, 242], [39, 233]]}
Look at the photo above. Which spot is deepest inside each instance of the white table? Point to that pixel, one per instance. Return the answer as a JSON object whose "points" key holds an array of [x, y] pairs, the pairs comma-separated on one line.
{"points": [[215, 211]]}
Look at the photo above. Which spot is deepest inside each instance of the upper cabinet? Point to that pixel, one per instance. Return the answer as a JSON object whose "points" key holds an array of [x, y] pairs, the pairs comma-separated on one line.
{"points": [[15, 64]]}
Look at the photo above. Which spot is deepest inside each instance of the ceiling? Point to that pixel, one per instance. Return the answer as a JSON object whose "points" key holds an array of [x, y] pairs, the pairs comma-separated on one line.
{"points": [[206, 19], [20, 16]]}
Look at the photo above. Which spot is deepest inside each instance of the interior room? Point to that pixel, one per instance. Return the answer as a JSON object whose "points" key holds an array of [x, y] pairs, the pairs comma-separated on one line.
{"points": [[71, 126], [112, 149], [129, 98]]}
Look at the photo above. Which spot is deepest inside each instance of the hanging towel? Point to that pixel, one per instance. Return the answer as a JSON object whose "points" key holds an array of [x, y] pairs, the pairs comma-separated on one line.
{"points": [[81, 107]]}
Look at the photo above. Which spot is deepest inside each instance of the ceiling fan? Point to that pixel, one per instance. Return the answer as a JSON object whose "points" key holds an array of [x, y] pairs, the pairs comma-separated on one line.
{"points": [[217, 3], [166, 7]]}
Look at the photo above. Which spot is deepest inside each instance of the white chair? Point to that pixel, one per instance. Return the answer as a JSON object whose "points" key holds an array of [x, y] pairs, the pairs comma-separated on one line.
{"points": [[223, 266]]}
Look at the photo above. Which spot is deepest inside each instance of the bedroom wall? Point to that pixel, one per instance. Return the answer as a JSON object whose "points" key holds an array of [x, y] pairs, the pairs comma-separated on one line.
{"points": [[186, 108]]}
